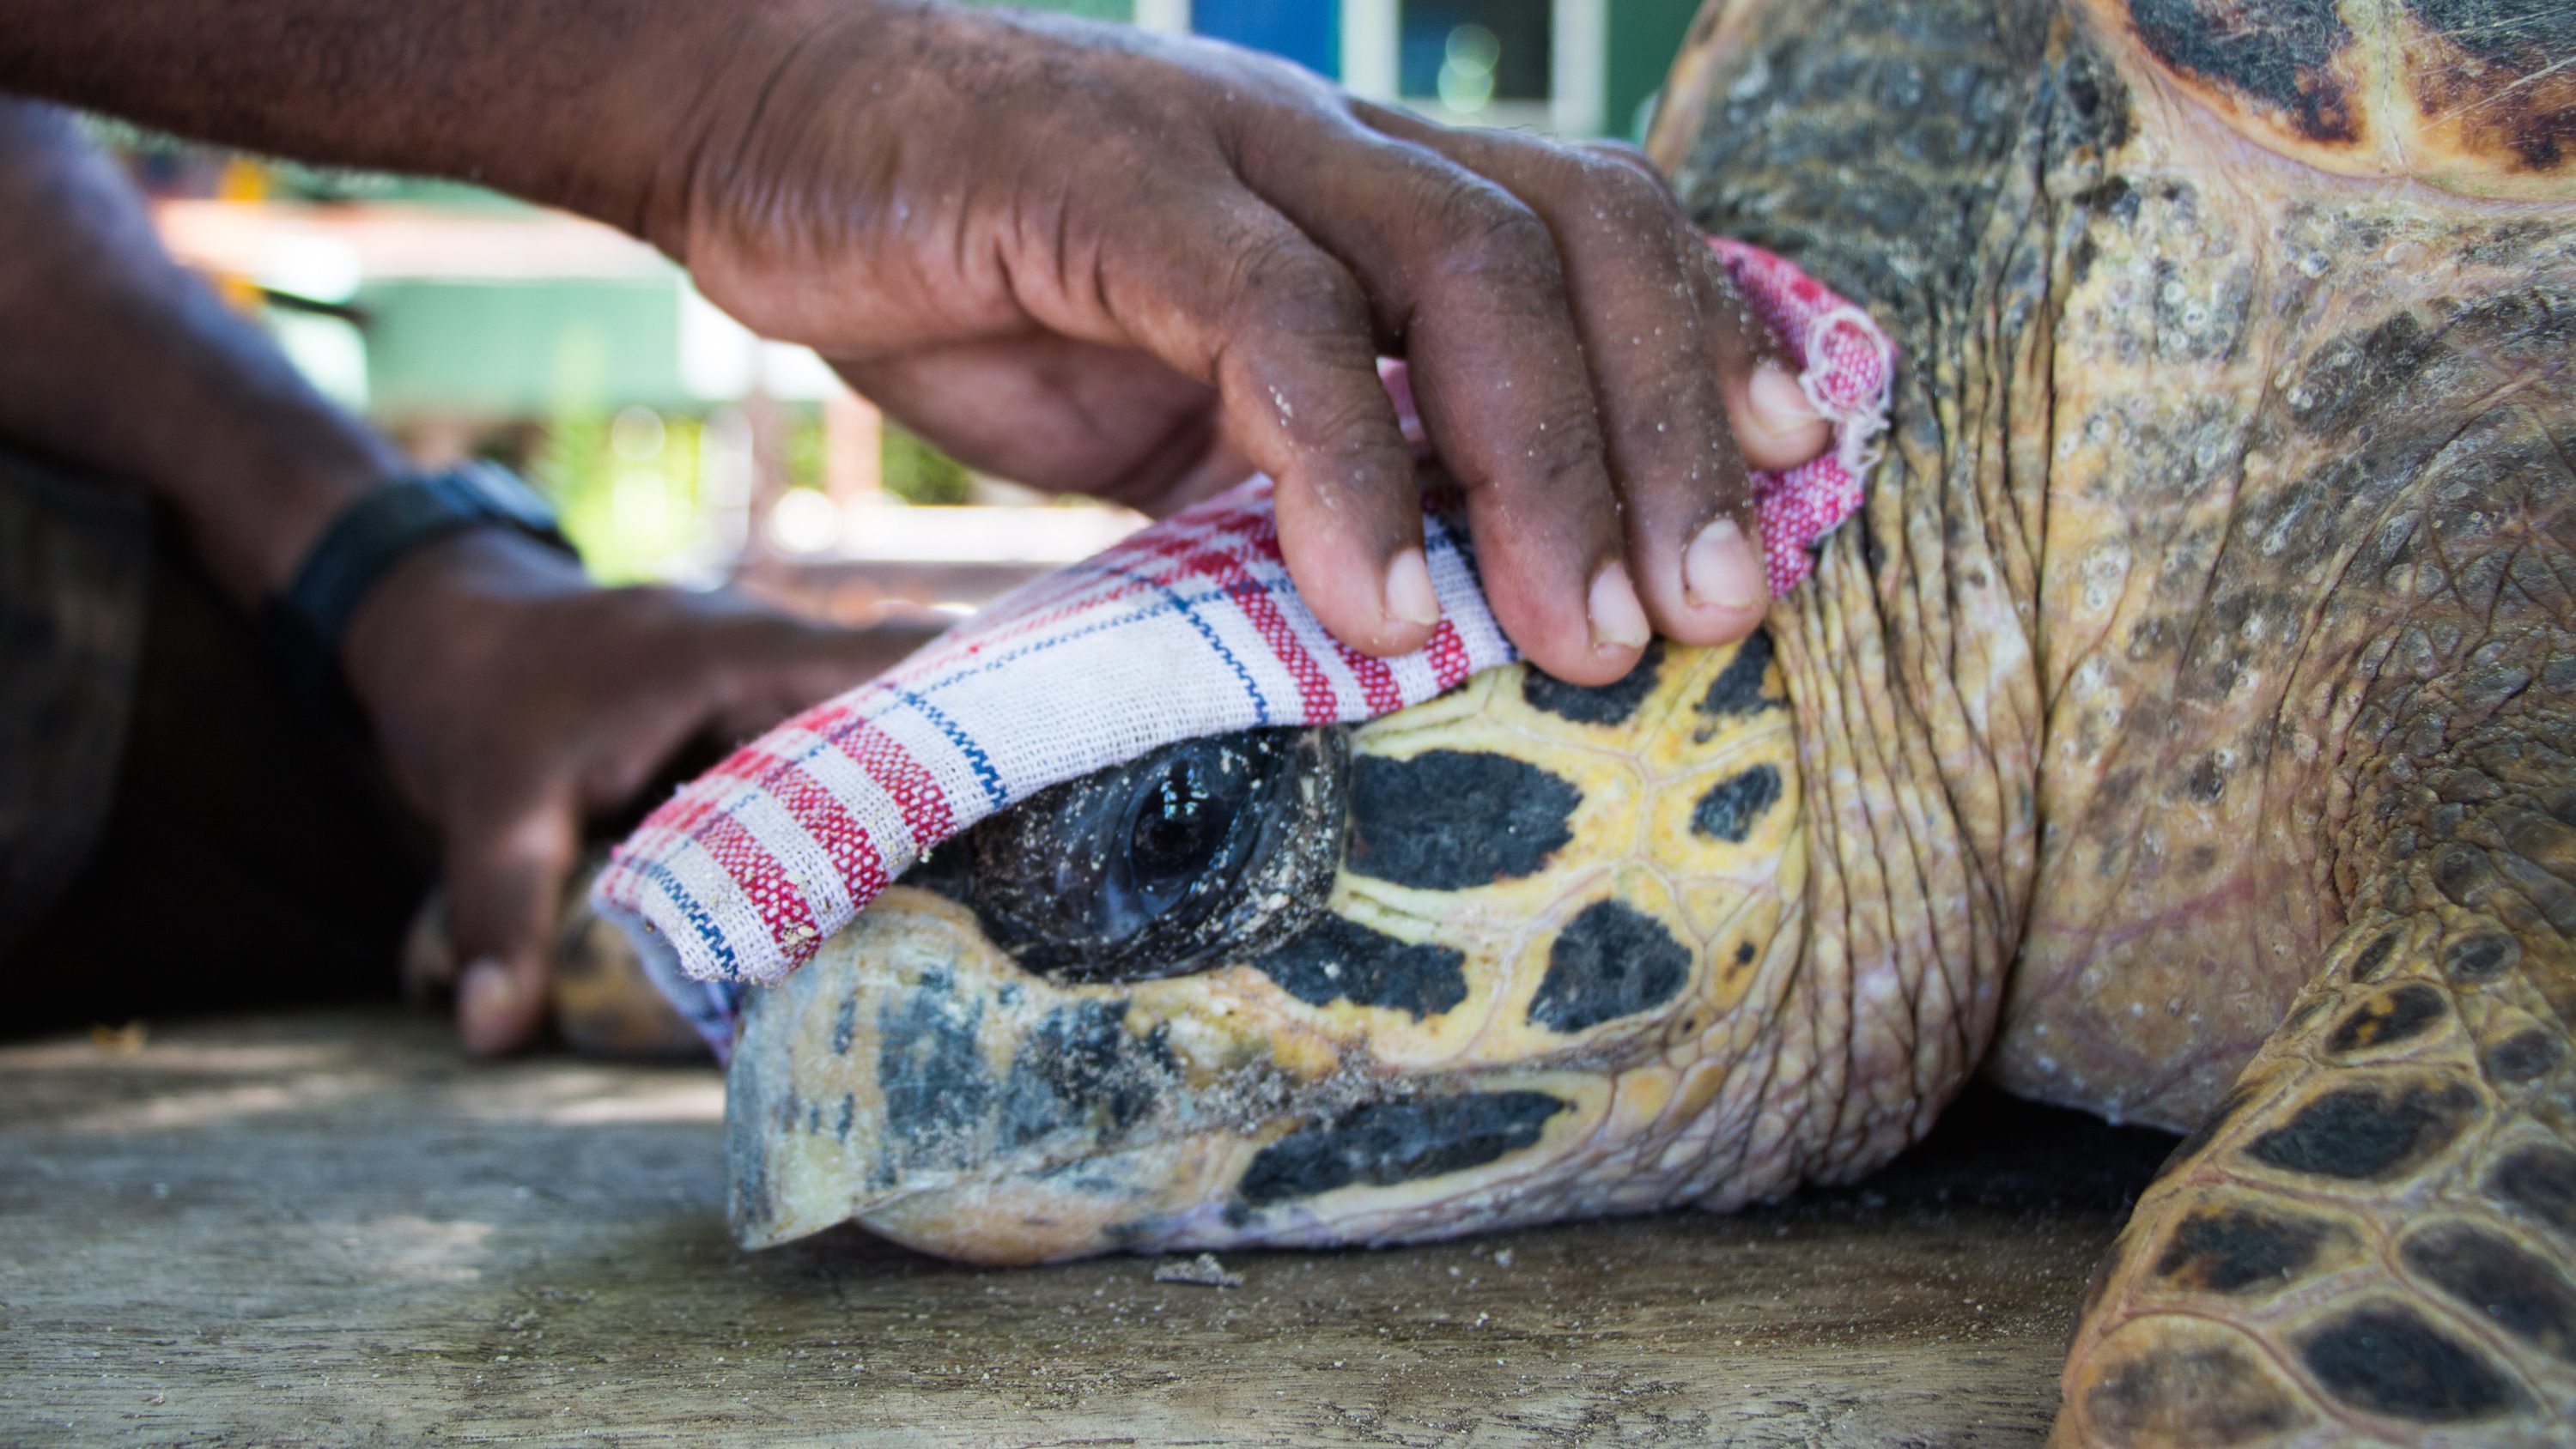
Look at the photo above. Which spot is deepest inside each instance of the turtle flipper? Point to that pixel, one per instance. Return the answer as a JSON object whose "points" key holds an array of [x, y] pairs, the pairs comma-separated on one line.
{"points": [[2373, 1239]]}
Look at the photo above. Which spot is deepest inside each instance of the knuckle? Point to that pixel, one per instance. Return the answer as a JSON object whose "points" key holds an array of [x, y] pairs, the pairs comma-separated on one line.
{"points": [[1282, 282], [1623, 208], [1595, 175], [1362, 442], [1608, 201], [1642, 192], [1562, 457], [1573, 466], [1493, 239], [1631, 164]]}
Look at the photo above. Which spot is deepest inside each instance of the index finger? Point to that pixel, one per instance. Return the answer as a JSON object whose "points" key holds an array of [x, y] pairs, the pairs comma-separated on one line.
{"points": [[505, 875], [1468, 279], [1238, 296], [1670, 360]]}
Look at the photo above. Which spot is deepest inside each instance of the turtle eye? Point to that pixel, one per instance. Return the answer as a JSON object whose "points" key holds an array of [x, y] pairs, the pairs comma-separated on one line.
{"points": [[1183, 821], [1204, 849]]}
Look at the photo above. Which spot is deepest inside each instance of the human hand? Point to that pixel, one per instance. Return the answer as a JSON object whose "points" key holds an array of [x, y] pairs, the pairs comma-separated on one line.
{"points": [[513, 701], [1103, 261]]}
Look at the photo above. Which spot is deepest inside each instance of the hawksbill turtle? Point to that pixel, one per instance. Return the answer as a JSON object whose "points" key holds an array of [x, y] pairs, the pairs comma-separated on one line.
{"points": [[2186, 732]]}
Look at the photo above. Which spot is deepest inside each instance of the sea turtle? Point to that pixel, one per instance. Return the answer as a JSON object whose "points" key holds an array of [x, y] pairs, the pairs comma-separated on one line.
{"points": [[2186, 731]]}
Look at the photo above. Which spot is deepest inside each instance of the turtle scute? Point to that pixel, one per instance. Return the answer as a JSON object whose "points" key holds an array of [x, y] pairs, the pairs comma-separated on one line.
{"points": [[2472, 96]]}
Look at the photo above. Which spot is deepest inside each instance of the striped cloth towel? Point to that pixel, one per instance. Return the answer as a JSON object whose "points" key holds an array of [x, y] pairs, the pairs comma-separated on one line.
{"points": [[1188, 628]]}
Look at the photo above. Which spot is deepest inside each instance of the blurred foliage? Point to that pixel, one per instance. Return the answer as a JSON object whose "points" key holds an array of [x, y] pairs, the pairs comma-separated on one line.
{"points": [[916, 472], [800, 445], [627, 486]]}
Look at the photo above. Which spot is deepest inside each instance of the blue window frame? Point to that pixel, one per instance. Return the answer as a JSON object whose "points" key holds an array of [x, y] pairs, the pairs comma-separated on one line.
{"points": [[1308, 32]]}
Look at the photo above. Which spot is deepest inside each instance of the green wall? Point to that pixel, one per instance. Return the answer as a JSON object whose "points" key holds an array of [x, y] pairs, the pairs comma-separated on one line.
{"points": [[1645, 35], [512, 349]]}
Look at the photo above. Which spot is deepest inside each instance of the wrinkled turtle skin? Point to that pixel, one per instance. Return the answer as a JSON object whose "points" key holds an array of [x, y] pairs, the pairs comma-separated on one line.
{"points": [[2203, 675], [2186, 731]]}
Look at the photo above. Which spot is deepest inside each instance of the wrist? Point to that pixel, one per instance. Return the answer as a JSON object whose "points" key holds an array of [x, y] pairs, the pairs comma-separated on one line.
{"points": [[426, 620], [298, 501], [392, 540]]}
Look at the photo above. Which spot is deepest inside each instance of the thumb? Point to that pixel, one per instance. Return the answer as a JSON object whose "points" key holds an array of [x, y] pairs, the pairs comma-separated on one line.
{"points": [[505, 881]]}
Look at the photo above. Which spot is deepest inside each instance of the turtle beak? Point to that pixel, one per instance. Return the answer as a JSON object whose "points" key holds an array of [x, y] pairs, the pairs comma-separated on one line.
{"points": [[916, 1078]]}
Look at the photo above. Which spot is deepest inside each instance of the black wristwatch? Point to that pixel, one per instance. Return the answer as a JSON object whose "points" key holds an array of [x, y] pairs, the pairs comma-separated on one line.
{"points": [[305, 624]]}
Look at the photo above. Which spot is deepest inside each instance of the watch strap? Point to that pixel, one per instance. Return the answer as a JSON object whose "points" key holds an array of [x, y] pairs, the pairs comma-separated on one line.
{"points": [[307, 621]]}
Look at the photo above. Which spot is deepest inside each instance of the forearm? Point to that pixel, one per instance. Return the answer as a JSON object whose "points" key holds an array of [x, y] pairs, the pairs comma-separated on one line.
{"points": [[114, 361], [597, 106]]}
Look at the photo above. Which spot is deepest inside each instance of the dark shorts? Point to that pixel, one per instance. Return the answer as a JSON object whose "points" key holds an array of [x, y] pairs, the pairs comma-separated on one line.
{"points": [[177, 833]]}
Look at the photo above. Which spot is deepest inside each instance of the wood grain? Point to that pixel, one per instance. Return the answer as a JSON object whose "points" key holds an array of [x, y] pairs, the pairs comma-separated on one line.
{"points": [[332, 1229]]}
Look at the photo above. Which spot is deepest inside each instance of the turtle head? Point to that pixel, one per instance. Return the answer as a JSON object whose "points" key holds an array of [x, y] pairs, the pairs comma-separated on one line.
{"points": [[1486, 960]]}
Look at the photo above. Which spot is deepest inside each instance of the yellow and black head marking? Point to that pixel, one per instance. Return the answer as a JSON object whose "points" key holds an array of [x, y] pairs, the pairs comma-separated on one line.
{"points": [[1483, 961]]}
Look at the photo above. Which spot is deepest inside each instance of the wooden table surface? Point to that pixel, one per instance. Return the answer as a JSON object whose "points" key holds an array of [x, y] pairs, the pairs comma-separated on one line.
{"points": [[331, 1229]]}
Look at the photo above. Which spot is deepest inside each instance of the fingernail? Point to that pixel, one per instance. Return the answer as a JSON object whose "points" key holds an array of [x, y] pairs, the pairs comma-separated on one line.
{"points": [[1618, 620], [1781, 404], [485, 1004], [1409, 596], [1722, 570]]}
